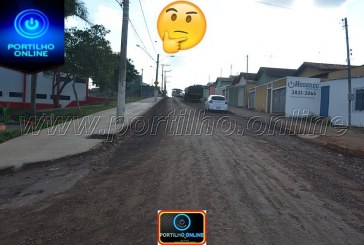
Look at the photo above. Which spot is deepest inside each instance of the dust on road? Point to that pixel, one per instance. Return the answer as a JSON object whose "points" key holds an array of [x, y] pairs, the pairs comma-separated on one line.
{"points": [[257, 189]]}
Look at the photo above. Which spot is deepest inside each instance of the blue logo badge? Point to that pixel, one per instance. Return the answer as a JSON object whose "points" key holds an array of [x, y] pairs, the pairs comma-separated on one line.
{"points": [[182, 222], [31, 23]]}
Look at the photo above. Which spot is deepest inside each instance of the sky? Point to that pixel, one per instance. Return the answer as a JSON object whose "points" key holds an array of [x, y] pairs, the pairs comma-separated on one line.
{"points": [[273, 33]]}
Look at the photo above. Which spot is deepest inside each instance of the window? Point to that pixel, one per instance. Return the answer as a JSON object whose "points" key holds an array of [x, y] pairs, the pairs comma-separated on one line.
{"points": [[41, 96], [218, 98], [62, 97], [80, 80], [15, 94], [359, 100], [77, 80], [1, 93]]}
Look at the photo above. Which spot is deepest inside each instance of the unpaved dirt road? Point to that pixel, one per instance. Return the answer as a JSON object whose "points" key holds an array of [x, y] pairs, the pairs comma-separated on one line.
{"points": [[257, 189]]}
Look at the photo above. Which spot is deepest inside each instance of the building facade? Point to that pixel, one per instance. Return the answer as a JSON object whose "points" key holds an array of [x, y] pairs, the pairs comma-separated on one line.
{"points": [[15, 90]]}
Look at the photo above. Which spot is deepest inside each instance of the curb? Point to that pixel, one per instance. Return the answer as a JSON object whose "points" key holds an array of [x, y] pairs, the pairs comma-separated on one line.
{"points": [[344, 149], [25, 166], [330, 144]]}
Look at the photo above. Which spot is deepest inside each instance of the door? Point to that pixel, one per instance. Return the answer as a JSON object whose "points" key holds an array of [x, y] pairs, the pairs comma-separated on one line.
{"points": [[325, 95], [279, 100], [269, 100], [240, 97], [251, 102]]}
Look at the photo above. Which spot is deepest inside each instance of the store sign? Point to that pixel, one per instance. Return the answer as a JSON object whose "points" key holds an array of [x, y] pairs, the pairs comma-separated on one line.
{"points": [[303, 94], [32, 34]]}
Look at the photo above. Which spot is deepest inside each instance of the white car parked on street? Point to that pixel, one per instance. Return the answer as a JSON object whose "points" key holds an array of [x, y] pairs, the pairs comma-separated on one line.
{"points": [[216, 102]]}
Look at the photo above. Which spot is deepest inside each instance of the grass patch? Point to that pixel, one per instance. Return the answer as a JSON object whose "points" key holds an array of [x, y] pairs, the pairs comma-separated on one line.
{"points": [[7, 135], [61, 115]]}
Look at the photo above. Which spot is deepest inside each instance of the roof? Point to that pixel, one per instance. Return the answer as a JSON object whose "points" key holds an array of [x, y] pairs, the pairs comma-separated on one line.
{"points": [[321, 66], [246, 76], [275, 72], [225, 79]]}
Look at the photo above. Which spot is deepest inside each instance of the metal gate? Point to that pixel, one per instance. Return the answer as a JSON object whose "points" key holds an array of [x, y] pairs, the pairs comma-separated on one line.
{"points": [[251, 102], [279, 100], [269, 100], [325, 95], [240, 97]]}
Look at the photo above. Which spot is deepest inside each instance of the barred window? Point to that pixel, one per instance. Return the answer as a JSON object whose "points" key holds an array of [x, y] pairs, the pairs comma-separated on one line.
{"points": [[359, 100], [41, 96], [61, 97], [15, 94]]}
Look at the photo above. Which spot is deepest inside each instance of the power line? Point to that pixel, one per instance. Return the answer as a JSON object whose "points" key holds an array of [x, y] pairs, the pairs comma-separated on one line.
{"points": [[145, 21], [141, 41], [271, 4]]}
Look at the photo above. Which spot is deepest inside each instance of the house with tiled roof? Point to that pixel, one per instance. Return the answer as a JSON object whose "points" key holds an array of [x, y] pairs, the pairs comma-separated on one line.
{"points": [[269, 74], [318, 70]]}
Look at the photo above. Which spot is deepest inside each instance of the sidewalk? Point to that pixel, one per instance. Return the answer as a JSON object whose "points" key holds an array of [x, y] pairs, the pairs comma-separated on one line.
{"points": [[344, 141], [67, 139]]}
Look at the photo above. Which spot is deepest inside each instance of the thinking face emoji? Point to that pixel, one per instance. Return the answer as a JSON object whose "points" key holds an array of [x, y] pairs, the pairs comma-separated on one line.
{"points": [[181, 25]]}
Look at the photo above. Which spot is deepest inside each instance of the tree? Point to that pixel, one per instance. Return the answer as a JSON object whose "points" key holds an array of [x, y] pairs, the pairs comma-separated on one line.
{"points": [[131, 73], [71, 8], [88, 55], [76, 8]]}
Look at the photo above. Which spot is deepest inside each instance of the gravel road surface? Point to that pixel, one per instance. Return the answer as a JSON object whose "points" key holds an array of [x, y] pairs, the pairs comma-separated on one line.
{"points": [[257, 187]]}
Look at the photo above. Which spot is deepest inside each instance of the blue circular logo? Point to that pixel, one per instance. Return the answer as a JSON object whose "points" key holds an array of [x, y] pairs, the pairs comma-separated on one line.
{"points": [[181, 222], [31, 23]]}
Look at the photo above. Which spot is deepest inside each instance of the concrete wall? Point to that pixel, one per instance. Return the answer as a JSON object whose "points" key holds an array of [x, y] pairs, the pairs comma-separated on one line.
{"points": [[219, 91], [261, 98], [309, 72], [300, 98], [205, 93], [338, 100], [12, 81], [248, 86], [240, 96], [212, 89], [279, 83], [355, 72], [251, 98]]}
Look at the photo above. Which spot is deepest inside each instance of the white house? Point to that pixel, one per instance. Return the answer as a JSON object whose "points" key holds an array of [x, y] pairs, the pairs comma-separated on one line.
{"points": [[15, 90], [335, 103]]}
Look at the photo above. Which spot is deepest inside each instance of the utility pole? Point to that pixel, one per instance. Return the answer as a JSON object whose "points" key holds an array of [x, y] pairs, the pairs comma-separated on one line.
{"points": [[141, 85], [247, 66], [165, 81], [120, 111], [156, 80], [162, 77], [142, 74], [33, 95], [350, 95]]}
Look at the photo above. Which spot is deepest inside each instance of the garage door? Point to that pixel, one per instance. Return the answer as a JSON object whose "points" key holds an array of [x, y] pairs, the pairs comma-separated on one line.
{"points": [[279, 100], [251, 102]]}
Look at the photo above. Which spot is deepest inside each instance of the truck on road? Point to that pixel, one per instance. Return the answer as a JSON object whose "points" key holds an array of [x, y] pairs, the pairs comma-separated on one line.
{"points": [[193, 93]]}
